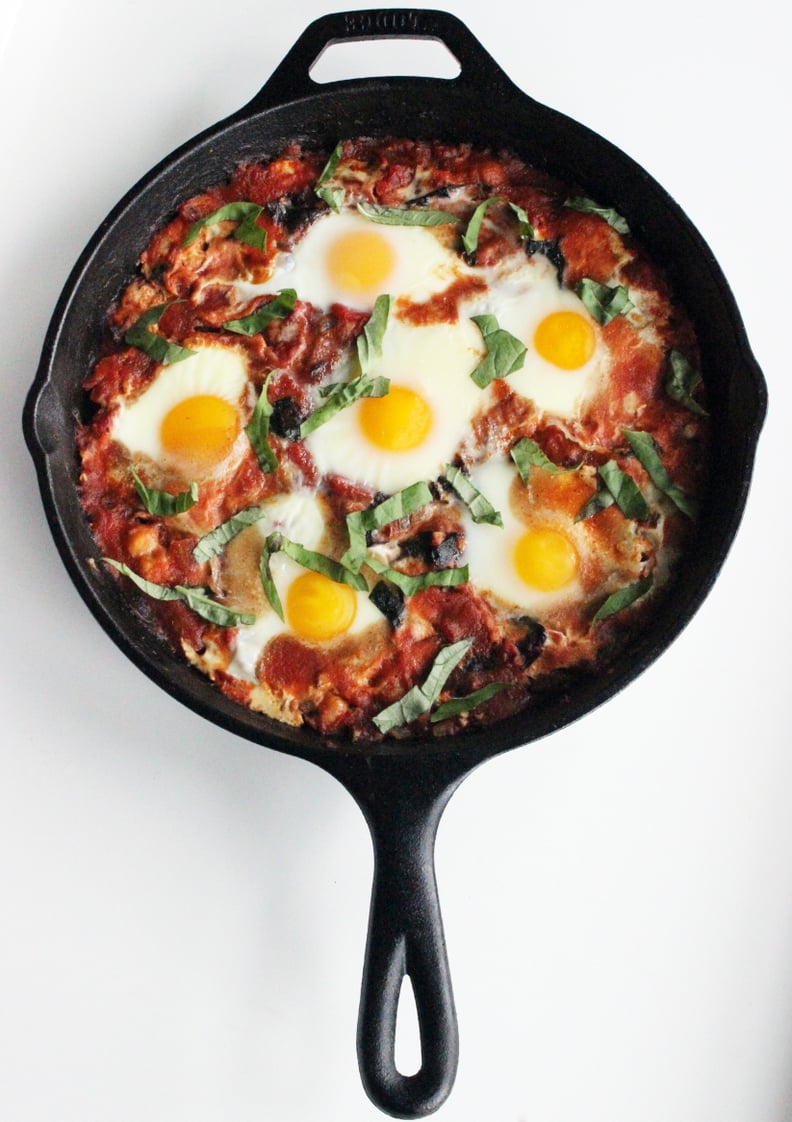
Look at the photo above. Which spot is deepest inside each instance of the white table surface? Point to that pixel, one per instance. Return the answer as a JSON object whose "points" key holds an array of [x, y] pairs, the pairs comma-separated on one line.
{"points": [[184, 913]]}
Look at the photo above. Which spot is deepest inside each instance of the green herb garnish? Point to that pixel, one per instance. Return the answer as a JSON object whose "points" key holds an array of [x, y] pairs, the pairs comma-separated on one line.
{"points": [[471, 236], [278, 308], [457, 705], [406, 216], [257, 430], [212, 544], [681, 380], [603, 301], [420, 699], [625, 491], [196, 598], [526, 454], [369, 344], [621, 599], [505, 353], [340, 395], [155, 346], [409, 585], [588, 206], [164, 503], [362, 522], [481, 509], [648, 454], [247, 231], [309, 559]]}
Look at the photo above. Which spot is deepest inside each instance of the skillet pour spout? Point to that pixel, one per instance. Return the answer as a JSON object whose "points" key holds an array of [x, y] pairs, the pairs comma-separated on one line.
{"points": [[402, 788]]}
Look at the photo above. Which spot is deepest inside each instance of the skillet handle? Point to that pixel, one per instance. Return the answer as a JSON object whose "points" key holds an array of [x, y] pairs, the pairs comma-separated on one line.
{"points": [[405, 934], [291, 79]]}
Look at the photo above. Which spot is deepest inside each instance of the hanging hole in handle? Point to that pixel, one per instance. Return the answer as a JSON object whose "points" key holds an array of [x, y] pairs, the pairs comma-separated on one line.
{"points": [[385, 58], [407, 1044]]}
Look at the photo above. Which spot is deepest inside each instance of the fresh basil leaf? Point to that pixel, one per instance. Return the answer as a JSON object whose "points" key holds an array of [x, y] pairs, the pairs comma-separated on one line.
{"points": [[505, 353], [369, 344], [212, 544], [526, 454], [481, 509], [257, 430], [409, 585], [420, 699], [625, 491], [623, 598], [603, 301], [267, 583], [340, 395], [406, 216], [330, 167], [155, 346], [164, 503], [457, 705], [196, 598], [588, 206], [682, 378], [600, 500], [333, 196], [243, 213], [362, 522], [279, 308], [318, 563], [648, 454], [471, 236]]}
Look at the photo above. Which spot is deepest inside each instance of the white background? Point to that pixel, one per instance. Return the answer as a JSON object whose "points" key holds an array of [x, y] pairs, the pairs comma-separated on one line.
{"points": [[183, 913]]}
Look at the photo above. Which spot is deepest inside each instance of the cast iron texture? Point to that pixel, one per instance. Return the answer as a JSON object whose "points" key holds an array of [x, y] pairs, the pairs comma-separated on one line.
{"points": [[402, 788]]}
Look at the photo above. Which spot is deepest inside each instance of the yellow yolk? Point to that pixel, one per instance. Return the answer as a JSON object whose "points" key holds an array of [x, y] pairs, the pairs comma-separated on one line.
{"points": [[318, 608], [545, 559], [397, 422], [360, 261], [566, 339], [201, 429]]}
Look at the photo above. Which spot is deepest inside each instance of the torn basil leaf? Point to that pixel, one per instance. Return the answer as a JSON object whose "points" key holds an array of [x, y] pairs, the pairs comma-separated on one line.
{"points": [[625, 491], [407, 215], [257, 430], [471, 235], [600, 500], [155, 346], [432, 578], [333, 196], [243, 213], [369, 344], [330, 167], [622, 599], [648, 454], [603, 301], [316, 562], [505, 353], [267, 583], [526, 454], [481, 509], [255, 323], [588, 206], [196, 598], [682, 379], [420, 699], [212, 544], [457, 705], [362, 522], [164, 503], [340, 395]]}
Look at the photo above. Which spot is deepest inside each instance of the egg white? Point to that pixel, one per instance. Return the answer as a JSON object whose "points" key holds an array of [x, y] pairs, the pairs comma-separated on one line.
{"points": [[298, 516], [434, 361], [490, 549], [218, 371], [423, 264], [521, 292]]}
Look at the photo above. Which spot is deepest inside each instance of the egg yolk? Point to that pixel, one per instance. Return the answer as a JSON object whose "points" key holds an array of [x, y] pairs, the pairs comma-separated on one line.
{"points": [[360, 261], [397, 422], [200, 429], [566, 339], [545, 559], [318, 608]]}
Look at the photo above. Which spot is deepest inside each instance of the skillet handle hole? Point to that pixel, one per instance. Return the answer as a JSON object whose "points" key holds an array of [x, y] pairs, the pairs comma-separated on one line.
{"points": [[379, 58], [407, 1043]]}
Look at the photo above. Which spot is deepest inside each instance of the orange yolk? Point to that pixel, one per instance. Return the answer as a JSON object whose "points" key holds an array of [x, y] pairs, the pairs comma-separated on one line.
{"points": [[545, 559], [397, 422], [318, 608], [200, 429], [566, 339], [360, 261]]}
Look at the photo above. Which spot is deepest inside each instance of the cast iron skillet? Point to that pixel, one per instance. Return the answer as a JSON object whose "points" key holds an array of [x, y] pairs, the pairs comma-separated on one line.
{"points": [[401, 788]]}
